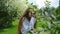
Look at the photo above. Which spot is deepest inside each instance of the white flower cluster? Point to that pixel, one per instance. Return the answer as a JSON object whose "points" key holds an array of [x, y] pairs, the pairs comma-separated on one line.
{"points": [[36, 31]]}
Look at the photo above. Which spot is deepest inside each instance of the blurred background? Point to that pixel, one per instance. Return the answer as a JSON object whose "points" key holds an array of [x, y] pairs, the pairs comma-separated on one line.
{"points": [[47, 14]]}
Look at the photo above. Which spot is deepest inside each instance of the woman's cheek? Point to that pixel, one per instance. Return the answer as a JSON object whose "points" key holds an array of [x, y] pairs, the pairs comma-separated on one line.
{"points": [[30, 14]]}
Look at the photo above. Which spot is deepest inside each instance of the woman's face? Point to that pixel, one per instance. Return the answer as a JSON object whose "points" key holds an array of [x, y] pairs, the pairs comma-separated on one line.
{"points": [[30, 14]]}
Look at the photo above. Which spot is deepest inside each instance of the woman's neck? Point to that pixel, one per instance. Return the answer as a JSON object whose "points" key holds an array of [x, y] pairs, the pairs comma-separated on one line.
{"points": [[29, 18]]}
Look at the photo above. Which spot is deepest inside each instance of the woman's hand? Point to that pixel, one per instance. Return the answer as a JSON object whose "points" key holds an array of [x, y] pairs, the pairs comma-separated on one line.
{"points": [[33, 15]]}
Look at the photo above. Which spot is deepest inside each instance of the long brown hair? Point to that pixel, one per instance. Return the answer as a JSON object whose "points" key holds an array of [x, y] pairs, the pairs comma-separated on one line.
{"points": [[26, 13]]}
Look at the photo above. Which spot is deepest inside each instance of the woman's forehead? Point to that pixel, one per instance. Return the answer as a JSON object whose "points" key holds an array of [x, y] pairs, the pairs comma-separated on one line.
{"points": [[31, 9]]}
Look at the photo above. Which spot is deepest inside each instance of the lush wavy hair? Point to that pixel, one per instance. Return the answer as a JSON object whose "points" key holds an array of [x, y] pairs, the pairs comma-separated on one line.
{"points": [[25, 14]]}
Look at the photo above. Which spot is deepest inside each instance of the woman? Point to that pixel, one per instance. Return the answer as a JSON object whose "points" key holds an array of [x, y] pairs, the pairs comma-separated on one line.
{"points": [[27, 22]]}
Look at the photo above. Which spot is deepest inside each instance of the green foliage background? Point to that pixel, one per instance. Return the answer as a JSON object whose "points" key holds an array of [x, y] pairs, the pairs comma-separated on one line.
{"points": [[11, 11]]}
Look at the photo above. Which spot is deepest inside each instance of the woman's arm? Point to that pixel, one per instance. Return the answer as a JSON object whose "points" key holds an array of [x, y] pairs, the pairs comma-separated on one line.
{"points": [[34, 15], [32, 22]]}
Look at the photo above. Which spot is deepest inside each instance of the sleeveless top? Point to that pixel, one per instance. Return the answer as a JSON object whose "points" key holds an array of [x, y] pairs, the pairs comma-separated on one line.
{"points": [[28, 25]]}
